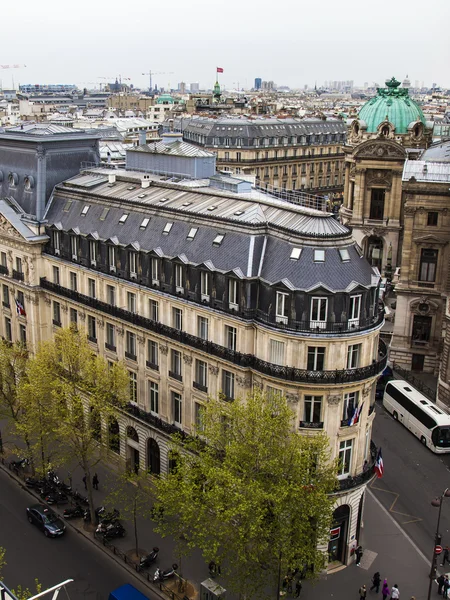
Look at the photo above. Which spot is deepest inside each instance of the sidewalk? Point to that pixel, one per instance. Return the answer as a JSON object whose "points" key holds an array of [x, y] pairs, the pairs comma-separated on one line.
{"points": [[387, 549]]}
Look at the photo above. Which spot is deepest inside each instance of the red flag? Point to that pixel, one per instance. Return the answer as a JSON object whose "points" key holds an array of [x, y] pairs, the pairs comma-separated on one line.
{"points": [[379, 467], [219, 70]]}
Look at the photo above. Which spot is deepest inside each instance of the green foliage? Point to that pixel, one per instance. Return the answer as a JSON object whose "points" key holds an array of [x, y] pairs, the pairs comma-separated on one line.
{"points": [[2, 559], [73, 391], [132, 494], [25, 593], [13, 362], [255, 499]]}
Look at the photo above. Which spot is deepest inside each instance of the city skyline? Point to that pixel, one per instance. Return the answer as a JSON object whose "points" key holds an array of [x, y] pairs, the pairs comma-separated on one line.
{"points": [[300, 50]]}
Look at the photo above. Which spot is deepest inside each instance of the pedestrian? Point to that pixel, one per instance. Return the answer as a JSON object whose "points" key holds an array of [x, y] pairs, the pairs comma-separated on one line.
{"points": [[440, 581], [85, 482], [95, 481], [359, 553], [446, 586], [362, 592], [298, 588], [445, 557], [395, 592], [376, 580], [385, 589]]}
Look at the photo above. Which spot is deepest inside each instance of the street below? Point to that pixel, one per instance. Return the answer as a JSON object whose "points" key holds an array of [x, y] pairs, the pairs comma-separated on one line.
{"points": [[30, 555], [413, 477]]}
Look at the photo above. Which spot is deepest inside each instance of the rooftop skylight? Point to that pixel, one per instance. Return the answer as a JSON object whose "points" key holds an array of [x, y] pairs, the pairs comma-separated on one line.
{"points": [[84, 212], [123, 218], [295, 253], [319, 255], [144, 223], [167, 228], [218, 239], [345, 256], [192, 233]]}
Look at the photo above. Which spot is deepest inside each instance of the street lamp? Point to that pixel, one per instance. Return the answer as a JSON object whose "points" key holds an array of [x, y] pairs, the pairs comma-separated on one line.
{"points": [[437, 502]]}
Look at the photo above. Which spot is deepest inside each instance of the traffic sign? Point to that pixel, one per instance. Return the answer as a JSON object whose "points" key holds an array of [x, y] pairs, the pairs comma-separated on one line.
{"points": [[438, 549]]}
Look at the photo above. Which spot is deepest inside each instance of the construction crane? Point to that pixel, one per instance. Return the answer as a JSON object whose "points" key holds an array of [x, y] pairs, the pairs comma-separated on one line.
{"points": [[150, 73], [12, 66]]}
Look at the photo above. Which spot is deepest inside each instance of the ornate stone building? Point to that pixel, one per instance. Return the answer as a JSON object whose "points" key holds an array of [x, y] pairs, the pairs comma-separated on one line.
{"points": [[389, 129], [203, 291], [285, 154]]}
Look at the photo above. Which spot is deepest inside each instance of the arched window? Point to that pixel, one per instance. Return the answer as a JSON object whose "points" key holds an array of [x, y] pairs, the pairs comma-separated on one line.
{"points": [[153, 457], [132, 434], [114, 436]]}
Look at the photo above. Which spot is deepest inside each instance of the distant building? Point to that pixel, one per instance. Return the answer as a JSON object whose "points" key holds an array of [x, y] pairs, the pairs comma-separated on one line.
{"points": [[258, 82], [286, 154], [195, 88], [182, 87], [46, 88]]}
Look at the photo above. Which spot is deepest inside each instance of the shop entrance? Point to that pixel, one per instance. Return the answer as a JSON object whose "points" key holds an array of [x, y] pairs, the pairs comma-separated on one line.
{"points": [[337, 545]]}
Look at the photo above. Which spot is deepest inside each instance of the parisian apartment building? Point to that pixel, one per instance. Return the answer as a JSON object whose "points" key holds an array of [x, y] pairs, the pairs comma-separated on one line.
{"points": [[202, 286]]}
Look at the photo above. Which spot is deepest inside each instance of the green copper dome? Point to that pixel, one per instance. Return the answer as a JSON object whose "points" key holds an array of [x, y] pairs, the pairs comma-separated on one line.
{"points": [[394, 104]]}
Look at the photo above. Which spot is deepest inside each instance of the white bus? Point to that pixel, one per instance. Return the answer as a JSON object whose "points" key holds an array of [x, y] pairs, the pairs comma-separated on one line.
{"points": [[421, 416]]}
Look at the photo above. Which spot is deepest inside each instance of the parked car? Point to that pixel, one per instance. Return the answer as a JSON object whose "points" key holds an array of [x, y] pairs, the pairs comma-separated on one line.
{"points": [[46, 520]]}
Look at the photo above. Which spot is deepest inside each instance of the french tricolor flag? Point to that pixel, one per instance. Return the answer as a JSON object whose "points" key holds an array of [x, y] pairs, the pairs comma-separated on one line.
{"points": [[379, 466]]}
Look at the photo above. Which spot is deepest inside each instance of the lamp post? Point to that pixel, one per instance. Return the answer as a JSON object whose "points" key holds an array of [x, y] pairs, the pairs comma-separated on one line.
{"points": [[437, 502]]}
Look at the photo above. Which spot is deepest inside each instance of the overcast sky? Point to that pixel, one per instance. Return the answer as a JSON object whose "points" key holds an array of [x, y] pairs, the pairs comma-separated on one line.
{"points": [[291, 42]]}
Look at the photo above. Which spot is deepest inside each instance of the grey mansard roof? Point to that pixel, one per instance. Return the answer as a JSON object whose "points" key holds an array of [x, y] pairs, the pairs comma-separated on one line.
{"points": [[257, 128], [257, 246]]}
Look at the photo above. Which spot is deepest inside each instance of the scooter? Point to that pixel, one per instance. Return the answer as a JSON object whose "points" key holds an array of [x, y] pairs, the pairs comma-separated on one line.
{"points": [[110, 531], [73, 513], [146, 561], [167, 574], [54, 497], [53, 478], [80, 498]]}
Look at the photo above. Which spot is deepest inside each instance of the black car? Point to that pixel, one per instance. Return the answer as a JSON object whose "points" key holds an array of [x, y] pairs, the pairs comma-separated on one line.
{"points": [[46, 519]]}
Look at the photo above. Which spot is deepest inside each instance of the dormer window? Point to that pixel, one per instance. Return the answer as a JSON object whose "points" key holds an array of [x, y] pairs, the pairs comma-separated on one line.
{"points": [[144, 223], [57, 242], [155, 271], [319, 255], [281, 308], [179, 283], [133, 265], [295, 253], [345, 256], [167, 228], [192, 233], [74, 247], [385, 131], [218, 239], [123, 218], [85, 211]]}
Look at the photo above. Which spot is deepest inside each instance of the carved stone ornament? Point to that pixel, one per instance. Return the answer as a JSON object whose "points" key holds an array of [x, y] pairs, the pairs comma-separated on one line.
{"points": [[120, 331], [243, 381], [291, 397], [333, 399], [366, 390], [163, 349], [352, 170], [410, 210], [380, 149], [375, 231], [7, 229], [100, 323], [82, 315], [431, 240], [64, 307], [379, 177], [187, 359], [140, 340], [424, 306], [258, 385], [47, 300], [213, 370]]}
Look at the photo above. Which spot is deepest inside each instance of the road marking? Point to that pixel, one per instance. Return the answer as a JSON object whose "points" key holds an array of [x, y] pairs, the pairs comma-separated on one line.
{"points": [[391, 508], [402, 531]]}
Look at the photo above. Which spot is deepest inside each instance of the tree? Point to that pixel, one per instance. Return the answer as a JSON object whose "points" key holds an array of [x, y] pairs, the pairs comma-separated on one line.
{"points": [[131, 494], [251, 493], [13, 363], [82, 392]]}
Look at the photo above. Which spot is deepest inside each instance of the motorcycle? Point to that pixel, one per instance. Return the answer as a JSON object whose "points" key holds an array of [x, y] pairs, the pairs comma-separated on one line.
{"points": [[102, 515], [73, 513], [32, 482], [53, 478], [167, 574], [54, 497], [146, 561], [80, 498], [16, 465], [110, 531]]}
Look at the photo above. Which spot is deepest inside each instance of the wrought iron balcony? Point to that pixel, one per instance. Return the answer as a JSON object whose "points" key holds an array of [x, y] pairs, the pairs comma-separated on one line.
{"points": [[151, 365], [175, 375], [110, 347], [357, 480], [130, 355], [246, 361], [18, 275], [199, 386], [311, 425]]}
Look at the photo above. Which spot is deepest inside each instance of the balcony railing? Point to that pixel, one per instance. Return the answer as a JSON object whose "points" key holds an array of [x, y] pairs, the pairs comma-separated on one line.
{"points": [[175, 375], [130, 355], [110, 347], [199, 386], [354, 481], [311, 425], [4, 270], [18, 275], [152, 365], [246, 361], [280, 159]]}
